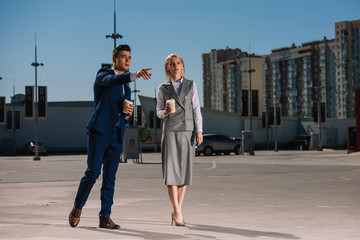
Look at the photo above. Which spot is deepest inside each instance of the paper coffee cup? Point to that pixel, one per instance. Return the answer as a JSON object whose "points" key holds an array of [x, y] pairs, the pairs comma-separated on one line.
{"points": [[171, 103], [126, 105]]}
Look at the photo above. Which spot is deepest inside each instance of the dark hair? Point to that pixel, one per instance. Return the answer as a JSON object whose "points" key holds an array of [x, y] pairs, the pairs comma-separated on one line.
{"points": [[119, 48]]}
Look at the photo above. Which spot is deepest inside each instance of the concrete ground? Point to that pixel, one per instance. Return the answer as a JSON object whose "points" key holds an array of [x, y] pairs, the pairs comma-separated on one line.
{"points": [[272, 195]]}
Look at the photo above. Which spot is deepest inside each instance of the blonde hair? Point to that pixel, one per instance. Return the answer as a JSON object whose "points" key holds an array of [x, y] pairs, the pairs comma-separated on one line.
{"points": [[167, 61]]}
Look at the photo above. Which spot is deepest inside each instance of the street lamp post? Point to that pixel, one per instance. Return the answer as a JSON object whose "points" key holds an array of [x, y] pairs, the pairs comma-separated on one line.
{"points": [[114, 35], [135, 110], [13, 119], [319, 119], [250, 71], [267, 128], [155, 103], [318, 92], [36, 64], [275, 121]]}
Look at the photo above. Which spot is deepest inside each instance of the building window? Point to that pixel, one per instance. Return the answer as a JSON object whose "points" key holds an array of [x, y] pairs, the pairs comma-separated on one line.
{"points": [[9, 122], [17, 120], [255, 100]]}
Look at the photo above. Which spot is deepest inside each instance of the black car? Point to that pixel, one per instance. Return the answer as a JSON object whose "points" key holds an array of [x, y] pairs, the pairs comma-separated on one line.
{"points": [[215, 143], [301, 142]]}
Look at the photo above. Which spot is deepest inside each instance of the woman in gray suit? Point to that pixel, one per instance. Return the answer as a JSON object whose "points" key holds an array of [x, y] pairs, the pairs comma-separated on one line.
{"points": [[182, 129]]}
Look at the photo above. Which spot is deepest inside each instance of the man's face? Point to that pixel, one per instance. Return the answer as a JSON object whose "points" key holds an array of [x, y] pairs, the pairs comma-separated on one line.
{"points": [[122, 62]]}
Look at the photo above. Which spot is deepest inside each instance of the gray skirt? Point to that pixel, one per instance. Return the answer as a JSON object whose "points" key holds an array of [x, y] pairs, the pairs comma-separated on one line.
{"points": [[177, 153]]}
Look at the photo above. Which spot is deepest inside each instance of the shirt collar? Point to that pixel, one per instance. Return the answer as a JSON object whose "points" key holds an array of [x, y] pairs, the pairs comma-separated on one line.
{"points": [[115, 71], [178, 82]]}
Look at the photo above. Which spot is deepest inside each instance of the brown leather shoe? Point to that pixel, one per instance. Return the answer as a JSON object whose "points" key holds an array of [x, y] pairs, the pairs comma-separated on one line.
{"points": [[106, 222], [74, 217]]}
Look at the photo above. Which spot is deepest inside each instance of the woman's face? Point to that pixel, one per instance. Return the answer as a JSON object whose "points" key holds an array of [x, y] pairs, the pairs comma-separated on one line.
{"points": [[175, 66]]}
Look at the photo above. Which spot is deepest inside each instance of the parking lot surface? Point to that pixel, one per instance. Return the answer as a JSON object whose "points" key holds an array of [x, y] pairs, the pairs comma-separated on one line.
{"points": [[307, 195]]}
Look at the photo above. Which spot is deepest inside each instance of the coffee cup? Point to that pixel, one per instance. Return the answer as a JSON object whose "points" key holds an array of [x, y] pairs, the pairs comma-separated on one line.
{"points": [[171, 103], [126, 105]]}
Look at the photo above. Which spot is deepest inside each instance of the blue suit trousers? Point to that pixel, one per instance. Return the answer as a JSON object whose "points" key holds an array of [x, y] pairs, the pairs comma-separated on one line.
{"points": [[103, 152]]}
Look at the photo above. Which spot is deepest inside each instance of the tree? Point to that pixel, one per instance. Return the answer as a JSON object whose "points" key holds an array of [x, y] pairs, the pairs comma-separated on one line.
{"points": [[145, 134]]}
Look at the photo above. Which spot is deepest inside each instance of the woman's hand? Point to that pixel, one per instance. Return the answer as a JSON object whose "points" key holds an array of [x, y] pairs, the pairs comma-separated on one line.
{"points": [[199, 138], [167, 110]]}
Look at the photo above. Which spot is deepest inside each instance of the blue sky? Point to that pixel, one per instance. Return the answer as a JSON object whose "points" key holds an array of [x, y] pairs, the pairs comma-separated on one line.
{"points": [[72, 45]]}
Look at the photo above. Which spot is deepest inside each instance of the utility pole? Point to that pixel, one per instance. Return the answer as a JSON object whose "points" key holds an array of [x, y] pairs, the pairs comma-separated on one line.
{"points": [[319, 108], [13, 119], [36, 64], [275, 120], [250, 71], [155, 115], [267, 127], [135, 106], [319, 118], [114, 35]]}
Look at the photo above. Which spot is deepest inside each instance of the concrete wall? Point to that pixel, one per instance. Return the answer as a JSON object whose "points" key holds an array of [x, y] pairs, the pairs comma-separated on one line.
{"points": [[65, 127], [333, 134], [63, 130], [221, 122]]}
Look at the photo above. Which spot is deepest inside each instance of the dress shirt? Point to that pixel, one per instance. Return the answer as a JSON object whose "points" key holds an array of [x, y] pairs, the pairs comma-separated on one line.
{"points": [[132, 77]]}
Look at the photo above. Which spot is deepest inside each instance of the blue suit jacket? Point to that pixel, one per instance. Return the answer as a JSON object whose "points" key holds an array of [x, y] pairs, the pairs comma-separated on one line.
{"points": [[108, 102]]}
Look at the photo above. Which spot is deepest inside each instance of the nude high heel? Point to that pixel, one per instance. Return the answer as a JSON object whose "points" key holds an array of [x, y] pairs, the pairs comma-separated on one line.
{"points": [[180, 224], [172, 214]]}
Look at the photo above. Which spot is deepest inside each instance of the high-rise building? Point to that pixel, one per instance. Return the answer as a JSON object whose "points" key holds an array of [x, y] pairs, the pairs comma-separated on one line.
{"points": [[326, 93], [322, 73], [296, 77], [347, 57], [326, 71], [227, 81], [214, 76]]}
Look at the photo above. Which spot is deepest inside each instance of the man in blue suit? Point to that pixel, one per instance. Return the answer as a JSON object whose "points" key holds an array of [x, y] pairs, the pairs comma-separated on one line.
{"points": [[106, 129]]}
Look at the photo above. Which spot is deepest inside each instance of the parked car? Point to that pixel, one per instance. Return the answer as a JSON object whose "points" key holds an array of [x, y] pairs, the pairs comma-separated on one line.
{"points": [[215, 143], [29, 148], [301, 142]]}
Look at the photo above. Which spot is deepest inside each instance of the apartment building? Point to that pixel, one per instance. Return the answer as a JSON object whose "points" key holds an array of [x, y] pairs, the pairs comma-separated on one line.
{"points": [[324, 72], [214, 75], [227, 81], [296, 77], [347, 59]]}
